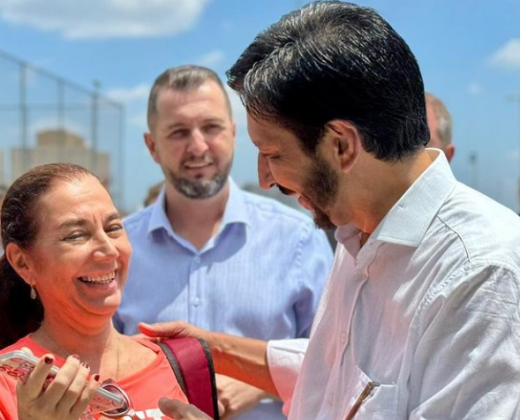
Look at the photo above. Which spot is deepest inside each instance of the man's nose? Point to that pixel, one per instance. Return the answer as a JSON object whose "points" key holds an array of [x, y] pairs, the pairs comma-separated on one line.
{"points": [[198, 145]]}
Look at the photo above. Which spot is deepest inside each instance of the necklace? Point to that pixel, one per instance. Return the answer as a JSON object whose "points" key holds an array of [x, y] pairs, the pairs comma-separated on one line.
{"points": [[118, 338], [61, 351]]}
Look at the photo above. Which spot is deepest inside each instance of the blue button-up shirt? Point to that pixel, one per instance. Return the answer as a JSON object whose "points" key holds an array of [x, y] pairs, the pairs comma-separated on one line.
{"points": [[260, 276]]}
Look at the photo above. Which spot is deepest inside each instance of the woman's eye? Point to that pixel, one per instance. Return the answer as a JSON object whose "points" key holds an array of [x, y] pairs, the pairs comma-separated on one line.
{"points": [[74, 236], [115, 228]]}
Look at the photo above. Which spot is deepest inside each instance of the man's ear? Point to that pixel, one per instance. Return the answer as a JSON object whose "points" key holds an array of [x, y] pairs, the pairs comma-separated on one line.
{"points": [[149, 140], [343, 143], [18, 260], [449, 150]]}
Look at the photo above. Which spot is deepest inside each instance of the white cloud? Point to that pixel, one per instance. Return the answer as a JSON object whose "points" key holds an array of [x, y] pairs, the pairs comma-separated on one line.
{"points": [[211, 59], [474, 89], [105, 18], [508, 56], [126, 95]]}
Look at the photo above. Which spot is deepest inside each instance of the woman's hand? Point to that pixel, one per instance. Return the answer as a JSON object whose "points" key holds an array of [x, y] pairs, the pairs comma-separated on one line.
{"points": [[65, 398]]}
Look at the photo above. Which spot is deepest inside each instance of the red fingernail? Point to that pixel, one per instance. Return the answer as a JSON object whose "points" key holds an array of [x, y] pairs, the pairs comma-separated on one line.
{"points": [[85, 364], [75, 356], [48, 360], [96, 377]]}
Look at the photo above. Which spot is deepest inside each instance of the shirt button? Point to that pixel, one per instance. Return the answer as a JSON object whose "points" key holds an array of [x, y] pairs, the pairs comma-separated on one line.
{"points": [[196, 302], [197, 260], [331, 399], [343, 338]]}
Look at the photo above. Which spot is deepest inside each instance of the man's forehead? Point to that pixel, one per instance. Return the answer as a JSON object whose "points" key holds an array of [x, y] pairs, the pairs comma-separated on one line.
{"points": [[208, 98], [169, 96], [179, 103], [260, 131], [269, 136]]}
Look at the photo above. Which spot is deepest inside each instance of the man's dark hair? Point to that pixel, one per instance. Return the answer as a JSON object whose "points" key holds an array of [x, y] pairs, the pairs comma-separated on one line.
{"points": [[335, 60]]}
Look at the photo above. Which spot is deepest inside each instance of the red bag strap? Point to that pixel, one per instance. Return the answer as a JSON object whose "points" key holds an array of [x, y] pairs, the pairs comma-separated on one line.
{"points": [[192, 364]]}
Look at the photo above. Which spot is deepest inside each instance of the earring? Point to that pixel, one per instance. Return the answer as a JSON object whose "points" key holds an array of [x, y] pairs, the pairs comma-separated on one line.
{"points": [[33, 294]]}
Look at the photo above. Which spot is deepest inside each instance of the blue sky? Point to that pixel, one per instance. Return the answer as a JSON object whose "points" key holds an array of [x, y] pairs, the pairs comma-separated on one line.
{"points": [[468, 50]]}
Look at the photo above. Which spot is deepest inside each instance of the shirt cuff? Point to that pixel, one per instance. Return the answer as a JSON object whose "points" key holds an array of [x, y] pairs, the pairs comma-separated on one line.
{"points": [[285, 358]]}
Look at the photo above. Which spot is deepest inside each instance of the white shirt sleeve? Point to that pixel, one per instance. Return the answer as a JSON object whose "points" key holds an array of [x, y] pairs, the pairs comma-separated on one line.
{"points": [[285, 358], [467, 363]]}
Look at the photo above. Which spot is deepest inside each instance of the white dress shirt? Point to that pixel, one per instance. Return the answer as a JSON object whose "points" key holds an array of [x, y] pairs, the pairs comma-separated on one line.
{"points": [[422, 322]]}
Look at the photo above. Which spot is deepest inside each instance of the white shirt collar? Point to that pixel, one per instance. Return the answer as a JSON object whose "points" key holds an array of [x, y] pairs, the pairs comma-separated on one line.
{"points": [[407, 221]]}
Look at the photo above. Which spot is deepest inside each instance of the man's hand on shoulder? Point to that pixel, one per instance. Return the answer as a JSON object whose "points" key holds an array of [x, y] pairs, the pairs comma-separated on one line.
{"points": [[172, 329]]}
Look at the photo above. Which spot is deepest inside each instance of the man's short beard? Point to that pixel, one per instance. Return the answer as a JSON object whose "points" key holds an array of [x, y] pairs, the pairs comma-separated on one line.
{"points": [[320, 189], [199, 189]]}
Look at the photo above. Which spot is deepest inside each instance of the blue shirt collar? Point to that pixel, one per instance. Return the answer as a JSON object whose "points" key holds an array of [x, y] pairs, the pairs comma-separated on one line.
{"points": [[236, 211], [236, 208]]}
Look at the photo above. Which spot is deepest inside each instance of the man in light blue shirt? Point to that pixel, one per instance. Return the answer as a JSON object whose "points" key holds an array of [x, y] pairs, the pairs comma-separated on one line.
{"points": [[208, 252]]}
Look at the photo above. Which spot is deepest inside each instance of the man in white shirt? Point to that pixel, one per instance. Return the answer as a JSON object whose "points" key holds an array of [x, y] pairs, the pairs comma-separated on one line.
{"points": [[420, 318]]}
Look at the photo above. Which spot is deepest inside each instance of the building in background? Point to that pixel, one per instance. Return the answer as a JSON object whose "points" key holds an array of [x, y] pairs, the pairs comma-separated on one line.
{"points": [[60, 145], [45, 118]]}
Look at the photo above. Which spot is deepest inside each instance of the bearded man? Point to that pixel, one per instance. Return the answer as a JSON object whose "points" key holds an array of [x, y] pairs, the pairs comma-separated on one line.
{"points": [[206, 251]]}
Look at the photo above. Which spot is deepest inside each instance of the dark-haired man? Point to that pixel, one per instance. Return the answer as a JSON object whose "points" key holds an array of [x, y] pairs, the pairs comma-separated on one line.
{"points": [[210, 253], [420, 317]]}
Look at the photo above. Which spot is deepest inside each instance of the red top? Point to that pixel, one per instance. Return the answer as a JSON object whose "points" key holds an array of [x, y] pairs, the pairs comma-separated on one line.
{"points": [[144, 387]]}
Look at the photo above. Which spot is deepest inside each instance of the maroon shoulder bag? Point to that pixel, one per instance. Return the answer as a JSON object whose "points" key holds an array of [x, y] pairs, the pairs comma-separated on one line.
{"points": [[190, 359]]}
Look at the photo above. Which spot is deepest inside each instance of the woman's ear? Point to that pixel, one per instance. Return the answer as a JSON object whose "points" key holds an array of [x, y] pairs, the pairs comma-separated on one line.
{"points": [[18, 260]]}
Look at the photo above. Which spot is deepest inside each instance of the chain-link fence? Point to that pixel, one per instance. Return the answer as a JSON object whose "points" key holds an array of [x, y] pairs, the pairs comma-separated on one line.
{"points": [[45, 118]]}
